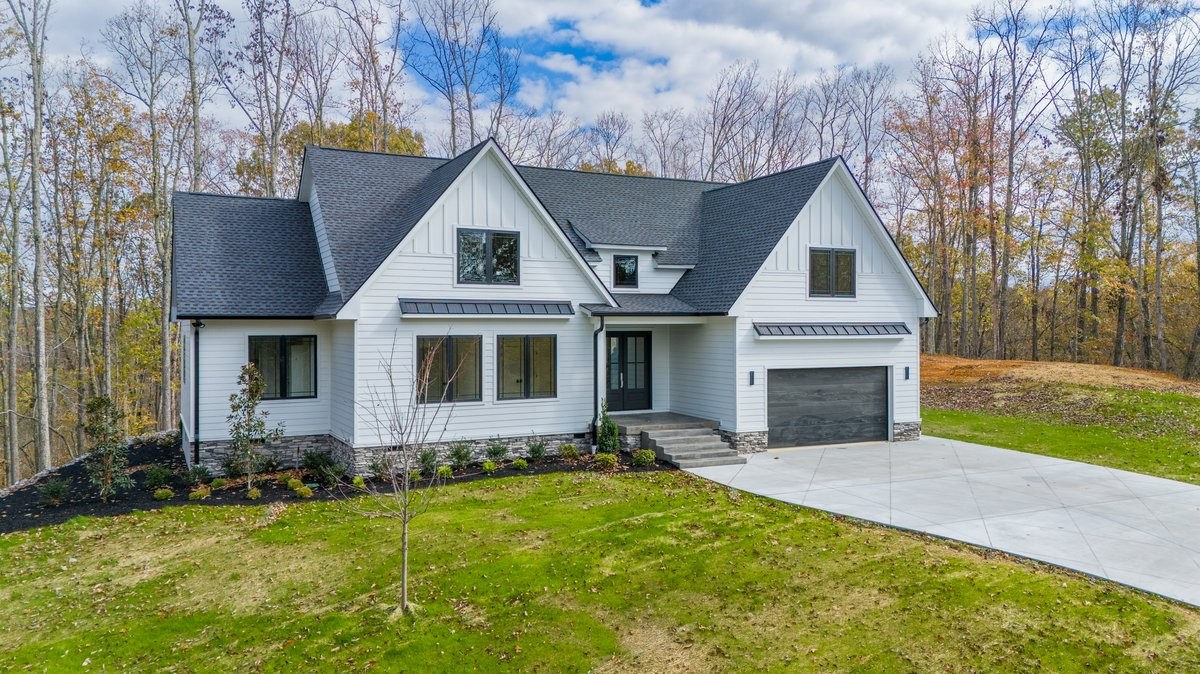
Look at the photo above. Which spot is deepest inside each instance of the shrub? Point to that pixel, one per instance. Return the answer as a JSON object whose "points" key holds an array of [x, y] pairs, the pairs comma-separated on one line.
{"points": [[304, 491], [605, 461], [230, 465], [428, 460], [156, 475], [644, 457], [568, 451], [163, 493], [267, 464], [497, 450], [359, 483], [295, 483], [219, 483], [537, 449], [460, 454], [52, 492], [321, 466], [414, 476], [445, 472], [197, 475], [381, 468], [489, 467], [109, 456], [253, 493], [520, 464], [610, 436], [199, 494]]}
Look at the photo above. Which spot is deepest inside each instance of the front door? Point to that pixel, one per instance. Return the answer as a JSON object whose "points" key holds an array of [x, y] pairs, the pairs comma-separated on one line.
{"points": [[628, 371]]}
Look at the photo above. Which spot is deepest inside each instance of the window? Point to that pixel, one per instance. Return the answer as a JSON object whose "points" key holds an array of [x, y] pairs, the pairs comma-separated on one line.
{"points": [[288, 365], [485, 256], [527, 366], [830, 272], [625, 271], [455, 371]]}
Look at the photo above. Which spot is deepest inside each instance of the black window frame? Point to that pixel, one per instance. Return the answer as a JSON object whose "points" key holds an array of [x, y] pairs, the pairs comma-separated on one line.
{"points": [[489, 256], [450, 393], [527, 370], [616, 266], [282, 384], [833, 253]]}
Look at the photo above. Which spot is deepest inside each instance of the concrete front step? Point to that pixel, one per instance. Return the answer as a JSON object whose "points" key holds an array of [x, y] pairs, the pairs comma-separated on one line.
{"points": [[683, 434], [634, 429], [711, 461]]}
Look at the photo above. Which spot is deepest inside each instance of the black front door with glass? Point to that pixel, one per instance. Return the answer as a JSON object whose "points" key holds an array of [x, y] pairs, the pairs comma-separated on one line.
{"points": [[628, 371]]}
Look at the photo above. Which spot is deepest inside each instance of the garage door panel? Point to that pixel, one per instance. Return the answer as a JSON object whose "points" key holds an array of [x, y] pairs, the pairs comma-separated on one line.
{"points": [[826, 406]]}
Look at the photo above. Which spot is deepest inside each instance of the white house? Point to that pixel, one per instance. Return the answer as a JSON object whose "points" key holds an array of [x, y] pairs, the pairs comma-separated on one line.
{"points": [[778, 311]]}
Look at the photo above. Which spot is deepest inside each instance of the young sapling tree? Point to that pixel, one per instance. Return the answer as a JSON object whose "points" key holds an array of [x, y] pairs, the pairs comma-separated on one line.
{"points": [[248, 424]]}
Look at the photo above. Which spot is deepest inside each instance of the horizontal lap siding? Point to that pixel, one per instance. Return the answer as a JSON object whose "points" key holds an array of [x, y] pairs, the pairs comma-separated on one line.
{"points": [[224, 349], [702, 369], [425, 268], [779, 294], [341, 410]]}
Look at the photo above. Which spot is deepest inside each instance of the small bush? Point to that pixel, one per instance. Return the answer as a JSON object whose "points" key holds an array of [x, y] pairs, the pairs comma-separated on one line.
{"points": [[253, 493], [428, 460], [230, 465], [304, 492], [199, 494], [497, 450], [460, 454], [536, 449], [605, 461], [610, 435], [219, 483], [489, 467], [445, 472], [197, 475], [568, 451], [644, 457], [52, 492], [520, 464], [163, 494], [267, 464], [321, 466], [295, 483], [414, 476], [359, 483], [381, 469], [156, 475]]}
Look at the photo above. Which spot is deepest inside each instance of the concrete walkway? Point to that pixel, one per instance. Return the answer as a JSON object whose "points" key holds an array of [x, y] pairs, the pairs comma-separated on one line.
{"points": [[1134, 529]]}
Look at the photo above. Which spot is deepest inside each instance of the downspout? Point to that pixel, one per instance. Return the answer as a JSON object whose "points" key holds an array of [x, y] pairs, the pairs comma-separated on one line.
{"points": [[596, 381], [196, 325]]}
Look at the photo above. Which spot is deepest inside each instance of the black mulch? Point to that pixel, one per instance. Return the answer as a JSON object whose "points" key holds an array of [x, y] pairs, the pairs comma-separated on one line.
{"points": [[23, 509]]}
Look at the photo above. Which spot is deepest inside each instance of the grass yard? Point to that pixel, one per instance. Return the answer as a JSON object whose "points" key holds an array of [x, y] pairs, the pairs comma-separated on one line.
{"points": [[555, 573], [1128, 419]]}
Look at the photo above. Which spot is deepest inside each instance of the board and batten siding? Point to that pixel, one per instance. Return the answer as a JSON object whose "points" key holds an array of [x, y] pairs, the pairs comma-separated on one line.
{"points": [[225, 348], [834, 218], [341, 403], [702, 369], [651, 279], [484, 197]]}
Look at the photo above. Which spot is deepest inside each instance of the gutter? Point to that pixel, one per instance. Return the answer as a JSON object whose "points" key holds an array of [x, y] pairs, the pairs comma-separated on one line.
{"points": [[196, 325], [596, 381]]}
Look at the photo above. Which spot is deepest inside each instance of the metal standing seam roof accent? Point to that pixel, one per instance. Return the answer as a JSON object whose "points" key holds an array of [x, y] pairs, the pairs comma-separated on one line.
{"points": [[831, 329], [451, 307]]}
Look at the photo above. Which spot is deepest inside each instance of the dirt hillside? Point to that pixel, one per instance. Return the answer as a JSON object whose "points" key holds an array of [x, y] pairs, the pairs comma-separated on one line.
{"points": [[943, 370]]}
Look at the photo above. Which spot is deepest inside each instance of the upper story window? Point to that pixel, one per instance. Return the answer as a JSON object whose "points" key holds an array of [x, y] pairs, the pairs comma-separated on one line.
{"points": [[451, 367], [487, 256], [625, 271], [288, 365], [831, 272]]}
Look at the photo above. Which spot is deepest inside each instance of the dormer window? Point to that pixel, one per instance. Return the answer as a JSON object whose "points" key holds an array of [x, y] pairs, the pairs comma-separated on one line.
{"points": [[489, 257], [625, 271]]}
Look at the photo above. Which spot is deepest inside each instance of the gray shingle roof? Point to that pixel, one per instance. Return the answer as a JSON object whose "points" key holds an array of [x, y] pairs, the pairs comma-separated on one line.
{"points": [[739, 228], [453, 307], [831, 329], [643, 304], [245, 257]]}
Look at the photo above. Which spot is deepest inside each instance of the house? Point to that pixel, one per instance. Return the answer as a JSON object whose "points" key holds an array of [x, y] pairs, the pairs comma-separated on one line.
{"points": [[771, 313]]}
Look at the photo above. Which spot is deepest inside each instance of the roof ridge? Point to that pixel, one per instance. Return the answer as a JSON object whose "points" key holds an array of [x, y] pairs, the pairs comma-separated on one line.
{"points": [[620, 175], [810, 164], [377, 152], [235, 196]]}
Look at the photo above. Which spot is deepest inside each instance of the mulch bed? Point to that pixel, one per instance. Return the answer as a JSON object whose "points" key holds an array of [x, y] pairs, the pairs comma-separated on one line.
{"points": [[23, 509]]}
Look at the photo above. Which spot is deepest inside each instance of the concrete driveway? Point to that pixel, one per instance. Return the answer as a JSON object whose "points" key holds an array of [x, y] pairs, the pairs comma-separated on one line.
{"points": [[1134, 529]]}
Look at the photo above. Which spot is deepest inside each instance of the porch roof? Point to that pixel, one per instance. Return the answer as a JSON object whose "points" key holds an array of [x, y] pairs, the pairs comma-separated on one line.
{"points": [[831, 329], [455, 307], [647, 304]]}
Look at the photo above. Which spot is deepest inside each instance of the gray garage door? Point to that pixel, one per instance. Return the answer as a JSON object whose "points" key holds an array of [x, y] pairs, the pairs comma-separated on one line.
{"points": [[826, 405]]}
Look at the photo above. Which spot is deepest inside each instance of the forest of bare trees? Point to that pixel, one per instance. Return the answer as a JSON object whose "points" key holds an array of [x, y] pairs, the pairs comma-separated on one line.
{"points": [[1039, 168]]}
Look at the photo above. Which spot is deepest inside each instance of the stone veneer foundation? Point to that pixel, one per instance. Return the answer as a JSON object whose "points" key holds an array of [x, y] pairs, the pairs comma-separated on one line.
{"points": [[287, 451], [750, 442], [904, 431]]}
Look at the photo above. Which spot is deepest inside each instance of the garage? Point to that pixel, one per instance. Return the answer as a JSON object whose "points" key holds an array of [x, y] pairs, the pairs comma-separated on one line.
{"points": [[820, 406]]}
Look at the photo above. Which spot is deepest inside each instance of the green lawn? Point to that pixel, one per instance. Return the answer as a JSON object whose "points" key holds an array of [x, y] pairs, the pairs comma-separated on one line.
{"points": [[1141, 431], [566, 572]]}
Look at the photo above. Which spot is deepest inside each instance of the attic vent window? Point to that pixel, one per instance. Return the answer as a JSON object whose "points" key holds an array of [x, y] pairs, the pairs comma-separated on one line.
{"points": [[625, 271], [831, 272], [489, 257]]}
